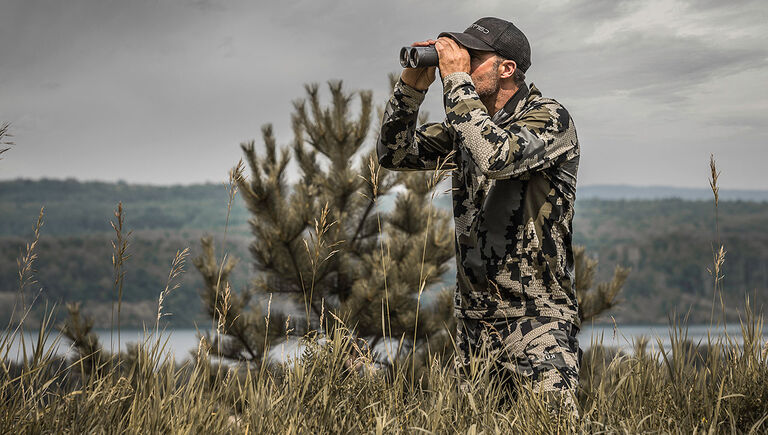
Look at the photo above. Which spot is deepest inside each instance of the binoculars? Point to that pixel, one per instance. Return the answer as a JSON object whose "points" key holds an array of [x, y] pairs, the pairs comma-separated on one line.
{"points": [[418, 57]]}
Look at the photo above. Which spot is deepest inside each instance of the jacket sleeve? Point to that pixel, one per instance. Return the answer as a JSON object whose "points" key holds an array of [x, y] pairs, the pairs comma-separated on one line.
{"points": [[401, 145], [543, 137]]}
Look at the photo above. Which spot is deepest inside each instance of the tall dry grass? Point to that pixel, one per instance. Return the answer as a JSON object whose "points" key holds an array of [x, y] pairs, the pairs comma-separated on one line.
{"points": [[720, 387]]}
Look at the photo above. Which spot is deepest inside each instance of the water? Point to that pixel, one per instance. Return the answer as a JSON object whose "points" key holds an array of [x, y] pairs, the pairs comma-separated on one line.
{"points": [[623, 337], [180, 342]]}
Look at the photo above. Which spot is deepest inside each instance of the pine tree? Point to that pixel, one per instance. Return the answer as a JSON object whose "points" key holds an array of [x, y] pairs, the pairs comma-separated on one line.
{"points": [[595, 299], [327, 243]]}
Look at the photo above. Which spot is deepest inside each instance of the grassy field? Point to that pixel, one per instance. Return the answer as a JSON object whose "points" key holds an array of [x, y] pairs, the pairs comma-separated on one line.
{"points": [[707, 387]]}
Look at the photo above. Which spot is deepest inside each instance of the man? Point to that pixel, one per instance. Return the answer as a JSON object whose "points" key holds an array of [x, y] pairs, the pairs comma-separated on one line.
{"points": [[514, 157]]}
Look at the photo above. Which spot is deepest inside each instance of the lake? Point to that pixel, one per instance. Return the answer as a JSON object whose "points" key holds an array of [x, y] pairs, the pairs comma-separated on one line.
{"points": [[180, 342]]}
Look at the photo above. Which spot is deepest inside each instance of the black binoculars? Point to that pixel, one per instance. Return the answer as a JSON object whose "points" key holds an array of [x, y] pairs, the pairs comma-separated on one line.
{"points": [[418, 57]]}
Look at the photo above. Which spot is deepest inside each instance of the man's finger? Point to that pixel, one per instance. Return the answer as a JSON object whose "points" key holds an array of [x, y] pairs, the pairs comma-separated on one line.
{"points": [[423, 43], [444, 43], [440, 45], [449, 41]]}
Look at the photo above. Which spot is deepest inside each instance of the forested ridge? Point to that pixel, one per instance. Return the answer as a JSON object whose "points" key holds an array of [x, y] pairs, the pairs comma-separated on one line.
{"points": [[667, 242]]}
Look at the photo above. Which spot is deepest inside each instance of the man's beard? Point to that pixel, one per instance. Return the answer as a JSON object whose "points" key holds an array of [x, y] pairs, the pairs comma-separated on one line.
{"points": [[488, 89]]}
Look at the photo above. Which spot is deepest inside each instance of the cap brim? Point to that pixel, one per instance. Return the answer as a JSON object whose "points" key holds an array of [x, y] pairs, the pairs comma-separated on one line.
{"points": [[467, 41]]}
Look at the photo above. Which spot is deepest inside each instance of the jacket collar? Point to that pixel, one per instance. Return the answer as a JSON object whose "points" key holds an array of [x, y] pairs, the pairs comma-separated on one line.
{"points": [[516, 103]]}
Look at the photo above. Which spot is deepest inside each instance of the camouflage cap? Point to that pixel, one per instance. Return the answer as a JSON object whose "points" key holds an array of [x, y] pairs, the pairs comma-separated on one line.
{"points": [[500, 36]]}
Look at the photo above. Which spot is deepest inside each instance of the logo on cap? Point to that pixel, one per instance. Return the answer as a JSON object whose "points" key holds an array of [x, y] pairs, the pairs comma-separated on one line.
{"points": [[481, 28]]}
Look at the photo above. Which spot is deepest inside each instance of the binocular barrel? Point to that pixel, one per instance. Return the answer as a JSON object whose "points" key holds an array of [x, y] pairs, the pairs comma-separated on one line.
{"points": [[418, 57]]}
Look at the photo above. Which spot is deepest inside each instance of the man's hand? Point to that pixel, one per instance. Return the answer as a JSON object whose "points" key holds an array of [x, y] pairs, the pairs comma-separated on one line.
{"points": [[453, 57], [419, 78]]}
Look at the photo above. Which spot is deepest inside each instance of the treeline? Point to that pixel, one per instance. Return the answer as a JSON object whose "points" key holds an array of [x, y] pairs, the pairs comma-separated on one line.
{"points": [[79, 268], [74, 208], [668, 244]]}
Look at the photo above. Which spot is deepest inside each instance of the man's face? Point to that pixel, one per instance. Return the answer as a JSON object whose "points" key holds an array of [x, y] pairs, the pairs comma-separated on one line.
{"points": [[484, 70]]}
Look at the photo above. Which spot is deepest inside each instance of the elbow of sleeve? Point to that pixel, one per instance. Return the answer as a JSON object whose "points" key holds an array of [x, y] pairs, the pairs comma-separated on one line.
{"points": [[497, 168], [501, 171], [383, 156]]}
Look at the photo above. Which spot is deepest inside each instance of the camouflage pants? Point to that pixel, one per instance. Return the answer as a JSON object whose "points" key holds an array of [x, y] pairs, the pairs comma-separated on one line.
{"points": [[540, 350]]}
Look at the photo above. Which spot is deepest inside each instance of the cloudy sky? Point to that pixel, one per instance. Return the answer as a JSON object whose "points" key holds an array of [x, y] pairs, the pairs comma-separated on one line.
{"points": [[162, 92]]}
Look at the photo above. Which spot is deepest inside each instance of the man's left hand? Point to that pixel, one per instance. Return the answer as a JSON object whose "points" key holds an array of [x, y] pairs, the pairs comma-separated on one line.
{"points": [[453, 57]]}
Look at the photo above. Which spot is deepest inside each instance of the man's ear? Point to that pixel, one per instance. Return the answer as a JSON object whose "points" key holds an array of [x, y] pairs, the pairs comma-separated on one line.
{"points": [[507, 68]]}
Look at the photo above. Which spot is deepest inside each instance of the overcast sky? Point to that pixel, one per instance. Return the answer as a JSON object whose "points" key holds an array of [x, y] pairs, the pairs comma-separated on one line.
{"points": [[163, 92]]}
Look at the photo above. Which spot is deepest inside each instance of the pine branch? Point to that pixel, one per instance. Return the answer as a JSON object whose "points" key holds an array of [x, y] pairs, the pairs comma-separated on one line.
{"points": [[595, 300]]}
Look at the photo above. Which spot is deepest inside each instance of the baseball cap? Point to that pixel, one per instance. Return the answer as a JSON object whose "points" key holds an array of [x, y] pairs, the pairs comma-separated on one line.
{"points": [[495, 34]]}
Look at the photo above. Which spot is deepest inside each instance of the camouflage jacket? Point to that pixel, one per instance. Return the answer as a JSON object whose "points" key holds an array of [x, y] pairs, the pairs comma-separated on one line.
{"points": [[514, 187]]}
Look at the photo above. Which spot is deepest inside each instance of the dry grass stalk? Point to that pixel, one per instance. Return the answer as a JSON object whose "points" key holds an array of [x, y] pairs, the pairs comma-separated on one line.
{"points": [[177, 268], [224, 310], [26, 271], [202, 346], [718, 253], [26, 261], [119, 256], [361, 357], [266, 322], [3, 138], [235, 178], [319, 248], [374, 170], [288, 329], [322, 312], [714, 174]]}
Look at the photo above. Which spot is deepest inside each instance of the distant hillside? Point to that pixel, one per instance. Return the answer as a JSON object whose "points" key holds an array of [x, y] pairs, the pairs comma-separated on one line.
{"points": [[667, 242], [666, 192], [74, 207]]}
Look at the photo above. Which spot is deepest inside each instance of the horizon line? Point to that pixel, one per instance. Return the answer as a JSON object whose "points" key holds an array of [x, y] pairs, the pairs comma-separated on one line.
{"points": [[209, 182]]}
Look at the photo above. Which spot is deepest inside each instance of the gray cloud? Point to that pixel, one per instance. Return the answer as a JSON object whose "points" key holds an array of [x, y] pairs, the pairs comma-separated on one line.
{"points": [[654, 66], [163, 92], [592, 11]]}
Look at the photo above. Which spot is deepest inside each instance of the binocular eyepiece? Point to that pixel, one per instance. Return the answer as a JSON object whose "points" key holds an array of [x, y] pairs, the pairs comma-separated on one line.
{"points": [[418, 57]]}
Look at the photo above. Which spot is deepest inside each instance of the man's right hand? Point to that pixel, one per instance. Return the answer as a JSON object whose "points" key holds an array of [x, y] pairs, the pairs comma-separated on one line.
{"points": [[419, 78]]}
